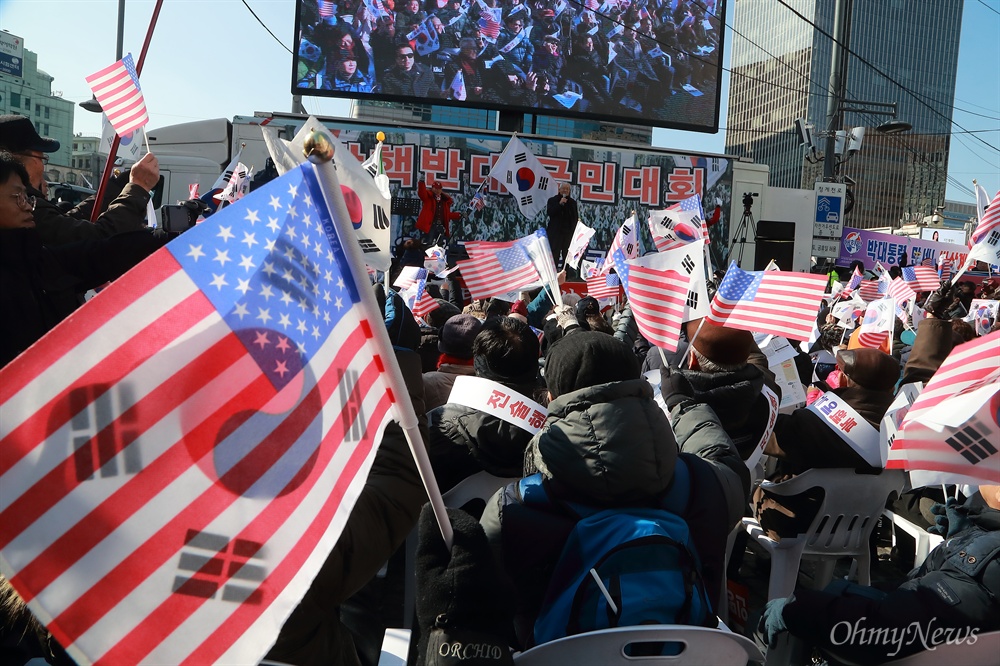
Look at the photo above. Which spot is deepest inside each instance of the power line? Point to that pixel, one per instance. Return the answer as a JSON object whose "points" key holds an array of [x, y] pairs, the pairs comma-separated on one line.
{"points": [[880, 72], [992, 9], [266, 28]]}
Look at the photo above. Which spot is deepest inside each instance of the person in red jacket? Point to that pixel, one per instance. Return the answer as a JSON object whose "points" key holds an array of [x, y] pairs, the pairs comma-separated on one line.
{"points": [[436, 211]]}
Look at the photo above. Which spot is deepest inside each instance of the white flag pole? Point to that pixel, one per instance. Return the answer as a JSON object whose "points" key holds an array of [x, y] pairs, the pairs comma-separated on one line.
{"points": [[320, 152]]}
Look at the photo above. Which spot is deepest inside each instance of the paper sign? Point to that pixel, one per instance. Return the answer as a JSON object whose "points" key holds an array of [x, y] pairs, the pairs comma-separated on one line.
{"points": [[793, 395], [893, 419]]}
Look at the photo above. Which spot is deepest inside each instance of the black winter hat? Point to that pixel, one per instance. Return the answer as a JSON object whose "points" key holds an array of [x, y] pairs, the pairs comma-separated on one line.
{"points": [[458, 334], [588, 358], [18, 134]]}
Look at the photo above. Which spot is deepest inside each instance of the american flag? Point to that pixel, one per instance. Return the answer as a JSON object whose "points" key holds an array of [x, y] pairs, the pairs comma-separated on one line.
{"points": [[604, 286], [965, 452], [855, 281], [899, 290], [499, 272], [921, 278], [689, 263], [872, 290], [475, 248], [626, 241], [658, 299], [327, 8], [116, 87], [477, 203], [180, 456], [408, 276], [678, 225], [777, 302], [990, 220], [878, 323], [419, 301], [490, 22], [944, 269]]}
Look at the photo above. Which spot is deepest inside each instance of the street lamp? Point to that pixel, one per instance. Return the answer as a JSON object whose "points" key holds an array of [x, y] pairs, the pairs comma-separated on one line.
{"points": [[92, 104]]}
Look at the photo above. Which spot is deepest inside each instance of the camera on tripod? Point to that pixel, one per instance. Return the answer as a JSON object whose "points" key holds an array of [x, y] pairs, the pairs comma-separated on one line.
{"points": [[748, 199]]}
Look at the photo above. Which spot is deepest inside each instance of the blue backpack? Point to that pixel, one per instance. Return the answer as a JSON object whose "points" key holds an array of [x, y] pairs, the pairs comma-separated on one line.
{"points": [[622, 567]]}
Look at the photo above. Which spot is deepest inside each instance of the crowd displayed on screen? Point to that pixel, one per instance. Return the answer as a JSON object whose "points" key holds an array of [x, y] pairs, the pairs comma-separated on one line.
{"points": [[602, 57]]}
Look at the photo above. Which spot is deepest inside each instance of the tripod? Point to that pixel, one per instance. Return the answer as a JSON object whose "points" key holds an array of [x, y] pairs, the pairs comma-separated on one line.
{"points": [[746, 222]]}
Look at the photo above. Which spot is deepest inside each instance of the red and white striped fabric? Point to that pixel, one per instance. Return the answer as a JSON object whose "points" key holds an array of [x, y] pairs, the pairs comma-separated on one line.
{"points": [[626, 240], [989, 221], [878, 323], [900, 291], [604, 286], [180, 456], [778, 302], [872, 290], [965, 449], [116, 87], [327, 8], [658, 299], [498, 272], [419, 301], [921, 278], [477, 247], [409, 276]]}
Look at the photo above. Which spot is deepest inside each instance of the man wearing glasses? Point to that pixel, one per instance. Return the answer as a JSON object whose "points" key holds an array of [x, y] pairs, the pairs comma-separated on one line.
{"points": [[408, 77], [127, 212]]}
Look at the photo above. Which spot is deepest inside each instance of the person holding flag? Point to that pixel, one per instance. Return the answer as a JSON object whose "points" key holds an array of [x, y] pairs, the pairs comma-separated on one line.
{"points": [[128, 196]]}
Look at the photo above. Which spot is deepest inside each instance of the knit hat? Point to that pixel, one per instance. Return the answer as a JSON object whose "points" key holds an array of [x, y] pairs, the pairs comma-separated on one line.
{"points": [[588, 358], [457, 336], [869, 368], [520, 308], [725, 346]]}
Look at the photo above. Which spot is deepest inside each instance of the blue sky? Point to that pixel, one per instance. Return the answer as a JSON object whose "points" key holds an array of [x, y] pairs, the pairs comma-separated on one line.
{"points": [[211, 58]]}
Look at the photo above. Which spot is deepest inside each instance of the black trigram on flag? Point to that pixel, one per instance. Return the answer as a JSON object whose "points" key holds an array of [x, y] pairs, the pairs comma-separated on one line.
{"points": [[994, 238], [212, 562], [352, 412], [526, 200], [381, 219], [972, 443], [367, 245], [688, 264], [543, 183], [510, 177], [520, 158], [99, 440], [692, 299]]}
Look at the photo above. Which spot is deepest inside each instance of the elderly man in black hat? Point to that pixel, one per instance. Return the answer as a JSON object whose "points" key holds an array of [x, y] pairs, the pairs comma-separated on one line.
{"points": [[127, 212]]}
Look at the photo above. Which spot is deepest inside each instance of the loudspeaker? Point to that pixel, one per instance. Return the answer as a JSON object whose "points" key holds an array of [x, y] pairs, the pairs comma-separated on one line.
{"points": [[775, 240]]}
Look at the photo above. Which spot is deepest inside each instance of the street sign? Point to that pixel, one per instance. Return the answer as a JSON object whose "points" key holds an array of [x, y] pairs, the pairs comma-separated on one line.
{"points": [[828, 218], [11, 54], [825, 247]]}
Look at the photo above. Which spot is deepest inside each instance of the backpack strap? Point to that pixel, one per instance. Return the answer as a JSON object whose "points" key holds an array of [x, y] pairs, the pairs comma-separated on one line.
{"points": [[678, 494]]}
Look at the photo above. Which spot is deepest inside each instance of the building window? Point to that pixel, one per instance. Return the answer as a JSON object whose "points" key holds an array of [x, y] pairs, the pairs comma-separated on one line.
{"points": [[15, 100], [38, 109], [46, 113], [27, 103]]}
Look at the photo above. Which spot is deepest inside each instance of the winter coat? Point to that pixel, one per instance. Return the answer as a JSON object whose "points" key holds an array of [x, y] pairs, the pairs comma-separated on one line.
{"points": [[611, 445], [418, 82], [384, 514], [127, 212], [41, 285], [438, 384], [426, 217], [956, 588]]}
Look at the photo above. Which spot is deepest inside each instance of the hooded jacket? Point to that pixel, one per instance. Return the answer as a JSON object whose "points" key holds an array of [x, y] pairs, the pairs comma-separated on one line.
{"points": [[736, 399], [610, 445], [955, 590]]}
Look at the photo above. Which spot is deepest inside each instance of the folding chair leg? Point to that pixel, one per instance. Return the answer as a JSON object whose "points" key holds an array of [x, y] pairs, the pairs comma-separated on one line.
{"points": [[784, 571]]}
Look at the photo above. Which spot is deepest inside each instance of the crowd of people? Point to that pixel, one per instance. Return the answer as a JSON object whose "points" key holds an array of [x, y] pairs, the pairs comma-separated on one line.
{"points": [[615, 57], [600, 432]]}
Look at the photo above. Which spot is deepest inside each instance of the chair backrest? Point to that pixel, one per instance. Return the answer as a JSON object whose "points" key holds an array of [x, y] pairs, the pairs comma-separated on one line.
{"points": [[852, 504], [620, 647], [481, 485]]}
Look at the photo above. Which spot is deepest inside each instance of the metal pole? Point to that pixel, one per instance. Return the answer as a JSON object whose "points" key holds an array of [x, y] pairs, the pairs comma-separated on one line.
{"points": [[120, 50], [838, 84], [109, 165]]}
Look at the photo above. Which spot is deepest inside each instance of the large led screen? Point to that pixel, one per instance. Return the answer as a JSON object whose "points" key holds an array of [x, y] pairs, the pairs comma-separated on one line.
{"points": [[652, 62]]}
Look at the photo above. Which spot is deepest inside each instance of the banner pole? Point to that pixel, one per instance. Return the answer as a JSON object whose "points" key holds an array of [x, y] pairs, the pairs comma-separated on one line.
{"points": [[110, 164], [319, 149]]}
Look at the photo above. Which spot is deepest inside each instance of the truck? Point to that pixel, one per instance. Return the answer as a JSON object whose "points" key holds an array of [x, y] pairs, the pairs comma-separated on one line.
{"points": [[609, 180]]}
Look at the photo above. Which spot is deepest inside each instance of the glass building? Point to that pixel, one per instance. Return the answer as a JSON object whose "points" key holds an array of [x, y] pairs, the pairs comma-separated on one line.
{"points": [[781, 71]]}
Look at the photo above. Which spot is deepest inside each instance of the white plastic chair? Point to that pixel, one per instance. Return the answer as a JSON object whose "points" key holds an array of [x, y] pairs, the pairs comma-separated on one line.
{"points": [[481, 485], [842, 527], [395, 647], [607, 647], [925, 541]]}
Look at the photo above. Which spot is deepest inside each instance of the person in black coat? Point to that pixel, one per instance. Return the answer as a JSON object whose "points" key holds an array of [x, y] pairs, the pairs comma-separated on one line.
{"points": [[563, 215], [41, 285]]}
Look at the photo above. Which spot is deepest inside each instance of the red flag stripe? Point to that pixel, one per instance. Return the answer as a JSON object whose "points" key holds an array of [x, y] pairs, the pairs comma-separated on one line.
{"points": [[156, 626], [210, 649], [658, 299], [125, 576]]}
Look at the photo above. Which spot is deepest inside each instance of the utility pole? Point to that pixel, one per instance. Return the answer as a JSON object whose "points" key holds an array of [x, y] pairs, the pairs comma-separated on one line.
{"points": [[838, 84]]}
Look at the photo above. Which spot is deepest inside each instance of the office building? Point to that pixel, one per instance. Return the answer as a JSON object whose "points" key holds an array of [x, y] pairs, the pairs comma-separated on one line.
{"points": [[781, 71]]}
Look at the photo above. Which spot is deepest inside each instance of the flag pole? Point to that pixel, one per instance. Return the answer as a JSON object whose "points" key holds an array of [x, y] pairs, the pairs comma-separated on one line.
{"points": [[110, 164], [320, 152]]}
